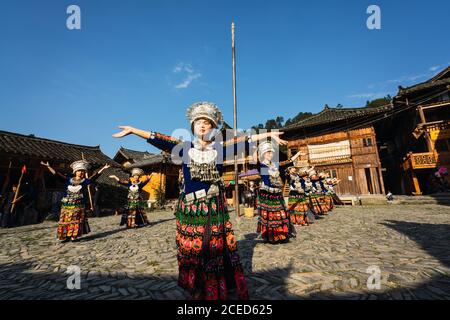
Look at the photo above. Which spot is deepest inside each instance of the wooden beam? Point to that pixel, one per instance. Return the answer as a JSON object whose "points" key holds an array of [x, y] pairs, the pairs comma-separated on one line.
{"points": [[415, 183], [434, 105]]}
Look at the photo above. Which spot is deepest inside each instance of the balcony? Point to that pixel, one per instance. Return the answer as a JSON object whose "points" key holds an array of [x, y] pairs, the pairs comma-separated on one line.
{"points": [[424, 160]]}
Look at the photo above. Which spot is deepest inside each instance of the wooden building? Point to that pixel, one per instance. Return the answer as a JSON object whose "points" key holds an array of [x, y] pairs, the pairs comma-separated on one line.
{"points": [[163, 184], [18, 150], [421, 131], [126, 157], [342, 142], [245, 163]]}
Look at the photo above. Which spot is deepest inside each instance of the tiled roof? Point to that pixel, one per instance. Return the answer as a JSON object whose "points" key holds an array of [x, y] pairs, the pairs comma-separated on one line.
{"points": [[46, 149], [135, 155], [329, 115], [151, 160], [441, 79]]}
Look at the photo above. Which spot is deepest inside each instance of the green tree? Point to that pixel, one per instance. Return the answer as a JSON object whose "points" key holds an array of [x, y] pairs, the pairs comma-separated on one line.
{"points": [[379, 102]]}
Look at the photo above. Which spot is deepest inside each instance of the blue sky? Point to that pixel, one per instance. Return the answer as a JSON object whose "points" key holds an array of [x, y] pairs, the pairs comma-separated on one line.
{"points": [[142, 63]]}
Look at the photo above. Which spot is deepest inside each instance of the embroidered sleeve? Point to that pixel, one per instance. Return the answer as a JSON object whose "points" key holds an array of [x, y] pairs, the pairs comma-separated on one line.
{"points": [[285, 163], [162, 141], [237, 145], [144, 183]]}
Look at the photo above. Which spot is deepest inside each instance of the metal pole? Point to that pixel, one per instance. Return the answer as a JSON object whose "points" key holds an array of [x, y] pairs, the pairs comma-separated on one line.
{"points": [[236, 181]]}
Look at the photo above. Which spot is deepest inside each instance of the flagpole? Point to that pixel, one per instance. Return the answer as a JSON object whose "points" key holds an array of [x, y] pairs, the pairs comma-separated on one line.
{"points": [[236, 176], [17, 190]]}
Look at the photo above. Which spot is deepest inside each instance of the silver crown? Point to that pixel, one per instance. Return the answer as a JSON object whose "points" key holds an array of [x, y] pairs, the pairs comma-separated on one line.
{"points": [[80, 165], [206, 110], [323, 174], [312, 173], [265, 147], [303, 170], [137, 172]]}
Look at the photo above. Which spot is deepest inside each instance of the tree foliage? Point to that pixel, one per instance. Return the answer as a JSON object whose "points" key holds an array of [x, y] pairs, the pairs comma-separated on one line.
{"points": [[379, 102]]}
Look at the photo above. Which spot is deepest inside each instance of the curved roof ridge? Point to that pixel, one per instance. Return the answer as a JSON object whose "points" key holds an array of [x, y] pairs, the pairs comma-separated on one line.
{"points": [[32, 136]]}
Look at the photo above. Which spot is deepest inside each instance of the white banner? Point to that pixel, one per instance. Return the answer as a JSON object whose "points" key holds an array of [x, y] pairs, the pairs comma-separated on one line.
{"points": [[329, 151]]}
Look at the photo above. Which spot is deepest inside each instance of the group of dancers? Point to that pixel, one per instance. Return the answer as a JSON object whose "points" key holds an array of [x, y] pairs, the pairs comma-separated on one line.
{"points": [[311, 194], [208, 259], [73, 221]]}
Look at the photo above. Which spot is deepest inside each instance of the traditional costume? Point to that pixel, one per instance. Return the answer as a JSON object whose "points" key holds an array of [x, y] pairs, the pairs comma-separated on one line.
{"points": [[134, 213], [273, 221], [73, 222], [298, 203], [330, 184], [327, 196], [316, 200], [209, 264], [321, 192]]}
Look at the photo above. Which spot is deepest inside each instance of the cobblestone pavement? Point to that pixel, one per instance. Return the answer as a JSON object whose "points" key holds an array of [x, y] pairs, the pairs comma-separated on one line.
{"points": [[328, 260]]}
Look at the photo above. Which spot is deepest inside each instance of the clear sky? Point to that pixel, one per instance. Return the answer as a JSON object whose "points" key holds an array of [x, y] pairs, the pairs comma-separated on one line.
{"points": [[142, 63]]}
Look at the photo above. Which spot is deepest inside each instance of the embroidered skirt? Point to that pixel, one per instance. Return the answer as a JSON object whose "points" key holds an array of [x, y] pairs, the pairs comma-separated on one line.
{"points": [[209, 265], [298, 206], [329, 203], [72, 221], [134, 214], [317, 204], [273, 220]]}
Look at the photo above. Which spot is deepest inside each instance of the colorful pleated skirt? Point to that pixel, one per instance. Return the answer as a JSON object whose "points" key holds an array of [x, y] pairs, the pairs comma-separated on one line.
{"points": [[329, 203], [72, 221], [298, 206], [208, 261], [316, 204], [134, 215], [273, 220]]}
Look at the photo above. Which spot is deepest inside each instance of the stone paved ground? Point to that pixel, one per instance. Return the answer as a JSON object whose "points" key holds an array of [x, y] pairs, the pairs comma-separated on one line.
{"points": [[410, 245]]}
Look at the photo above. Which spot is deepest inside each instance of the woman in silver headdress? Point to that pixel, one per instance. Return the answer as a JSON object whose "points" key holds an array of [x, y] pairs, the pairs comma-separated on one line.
{"points": [[274, 223], [209, 264], [298, 203], [73, 222], [134, 214], [317, 194]]}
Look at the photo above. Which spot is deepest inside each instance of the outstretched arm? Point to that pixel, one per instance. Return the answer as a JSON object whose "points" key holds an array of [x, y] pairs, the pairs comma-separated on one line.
{"points": [[244, 142], [147, 180], [273, 135], [161, 141], [126, 130], [97, 174], [53, 171], [291, 160], [122, 182]]}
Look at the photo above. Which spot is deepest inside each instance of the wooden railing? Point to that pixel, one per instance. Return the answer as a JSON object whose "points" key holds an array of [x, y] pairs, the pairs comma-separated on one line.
{"points": [[424, 160]]}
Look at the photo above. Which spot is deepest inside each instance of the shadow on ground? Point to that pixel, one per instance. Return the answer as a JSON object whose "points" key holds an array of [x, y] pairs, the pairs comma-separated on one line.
{"points": [[27, 281]]}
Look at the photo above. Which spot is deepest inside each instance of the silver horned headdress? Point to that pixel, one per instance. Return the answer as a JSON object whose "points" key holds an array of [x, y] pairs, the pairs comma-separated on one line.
{"points": [[137, 172], [80, 165], [206, 110], [265, 147]]}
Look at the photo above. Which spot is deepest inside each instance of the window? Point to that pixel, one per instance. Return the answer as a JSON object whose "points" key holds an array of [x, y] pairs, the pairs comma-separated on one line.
{"points": [[293, 152], [333, 173], [367, 142]]}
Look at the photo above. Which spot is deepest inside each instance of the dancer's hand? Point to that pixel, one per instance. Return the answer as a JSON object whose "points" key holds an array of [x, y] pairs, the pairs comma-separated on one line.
{"points": [[126, 130], [45, 164], [106, 166], [275, 136]]}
